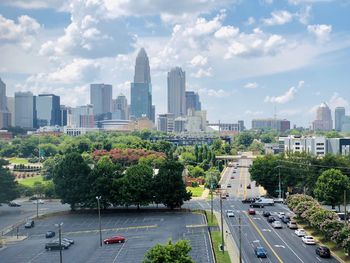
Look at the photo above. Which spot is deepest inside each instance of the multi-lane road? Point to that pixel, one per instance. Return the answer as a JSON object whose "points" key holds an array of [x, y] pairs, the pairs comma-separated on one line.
{"points": [[282, 245]]}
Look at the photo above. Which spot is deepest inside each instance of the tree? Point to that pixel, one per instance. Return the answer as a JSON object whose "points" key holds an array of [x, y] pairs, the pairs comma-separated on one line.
{"points": [[245, 139], [196, 172], [137, 185], [70, 177], [330, 187], [8, 185], [169, 187], [170, 253]]}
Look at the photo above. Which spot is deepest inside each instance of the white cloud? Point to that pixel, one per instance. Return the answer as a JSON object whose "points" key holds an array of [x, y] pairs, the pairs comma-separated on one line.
{"points": [[287, 96], [253, 113], [304, 14], [321, 32], [337, 101], [220, 93], [280, 17], [298, 2], [33, 4], [198, 61], [226, 32], [251, 85], [250, 21], [203, 73]]}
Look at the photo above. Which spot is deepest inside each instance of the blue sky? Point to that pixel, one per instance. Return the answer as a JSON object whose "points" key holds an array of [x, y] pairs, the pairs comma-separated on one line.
{"points": [[247, 59]]}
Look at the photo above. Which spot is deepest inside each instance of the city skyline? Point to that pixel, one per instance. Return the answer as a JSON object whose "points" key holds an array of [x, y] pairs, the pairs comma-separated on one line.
{"points": [[291, 68]]}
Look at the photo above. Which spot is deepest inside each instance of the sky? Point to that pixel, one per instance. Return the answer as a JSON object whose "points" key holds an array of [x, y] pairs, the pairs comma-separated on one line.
{"points": [[246, 58]]}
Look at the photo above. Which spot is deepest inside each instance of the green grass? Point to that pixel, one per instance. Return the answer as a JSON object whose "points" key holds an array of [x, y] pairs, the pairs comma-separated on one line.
{"points": [[16, 160], [220, 257], [319, 236], [211, 223], [196, 191], [31, 180]]}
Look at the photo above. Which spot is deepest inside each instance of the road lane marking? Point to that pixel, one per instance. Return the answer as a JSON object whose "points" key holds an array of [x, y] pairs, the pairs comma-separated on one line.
{"points": [[114, 260], [36, 256], [318, 259], [280, 246], [262, 236]]}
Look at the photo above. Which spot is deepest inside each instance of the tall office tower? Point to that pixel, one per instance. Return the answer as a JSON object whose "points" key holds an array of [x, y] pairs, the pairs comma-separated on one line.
{"points": [[339, 115], [66, 115], [101, 99], [25, 110], [83, 116], [5, 115], [166, 122], [11, 109], [192, 101], [323, 121], [120, 108], [153, 114], [141, 88], [48, 111], [176, 92]]}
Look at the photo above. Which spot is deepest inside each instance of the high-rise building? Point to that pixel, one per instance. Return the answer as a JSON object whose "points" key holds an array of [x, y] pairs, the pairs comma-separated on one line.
{"points": [[83, 116], [141, 88], [192, 101], [66, 115], [271, 123], [48, 111], [25, 110], [120, 108], [5, 115], [101, 99], [339, 115], [11, 109], [323, 121], [166, 122], [176, 92]]}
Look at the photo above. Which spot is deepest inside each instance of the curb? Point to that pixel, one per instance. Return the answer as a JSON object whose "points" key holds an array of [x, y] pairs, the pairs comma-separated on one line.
{"points": [[210, 240]]}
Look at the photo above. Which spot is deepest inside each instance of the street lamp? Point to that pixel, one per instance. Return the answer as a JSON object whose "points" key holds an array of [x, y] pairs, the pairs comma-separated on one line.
{"points": [[98, 198], [59, 238], [222, 227]]}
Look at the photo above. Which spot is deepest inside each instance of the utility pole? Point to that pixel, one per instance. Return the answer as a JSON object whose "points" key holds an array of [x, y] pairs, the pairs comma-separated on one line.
{"points": [[211, 201], [98, 198], [240, 238], [60, 239], [279, 182], [222, 227], [345, 203]]}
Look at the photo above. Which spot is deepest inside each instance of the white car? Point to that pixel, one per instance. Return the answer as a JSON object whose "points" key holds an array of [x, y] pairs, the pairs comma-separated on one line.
{"points": [[276, 224], [280, 214], [230, 213], [300, 232], [309, 240], [40, 201]]}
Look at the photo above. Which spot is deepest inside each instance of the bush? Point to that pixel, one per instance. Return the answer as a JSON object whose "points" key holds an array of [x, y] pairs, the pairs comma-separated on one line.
{"points": [[195, 184]]}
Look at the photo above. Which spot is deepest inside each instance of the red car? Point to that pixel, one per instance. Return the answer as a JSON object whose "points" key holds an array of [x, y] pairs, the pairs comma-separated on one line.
{"points": [[251, 211], [115, 239]]}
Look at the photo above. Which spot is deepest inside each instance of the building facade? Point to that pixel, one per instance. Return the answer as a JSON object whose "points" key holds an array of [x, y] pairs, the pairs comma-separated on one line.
{"points": [[11, 109], [271, 123], [120, 108], [25, 111], [5, 115], [192, 101], [48, 112], [176, 92], [323, 121], [141, 88], [166, 122], [83, 116], [101, 99], [339, 115]]}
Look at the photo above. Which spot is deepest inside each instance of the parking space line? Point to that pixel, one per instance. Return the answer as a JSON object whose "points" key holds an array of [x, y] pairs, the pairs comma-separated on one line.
{"points": [[114, 260], [112, 229], [36, 256]]}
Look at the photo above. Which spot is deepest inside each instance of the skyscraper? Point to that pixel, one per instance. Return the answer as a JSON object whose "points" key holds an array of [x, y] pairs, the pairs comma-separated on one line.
{"points": [[192, 101], [25, 111], [323, 121], [339, 115], [176, 92], [11, 109], [101, 99], [5, 115], [141, 88], [48, 110], [83, 116], [120, 108], [3, 103]]}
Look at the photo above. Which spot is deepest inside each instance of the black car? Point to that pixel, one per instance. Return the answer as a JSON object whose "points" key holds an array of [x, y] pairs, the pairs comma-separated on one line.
{"points": [[14, 204], [271, 219], [248, 200], [266, 213], [323, 252], [50, 234], [56, 246], [285, 219], [256, 205], [29, 224]]}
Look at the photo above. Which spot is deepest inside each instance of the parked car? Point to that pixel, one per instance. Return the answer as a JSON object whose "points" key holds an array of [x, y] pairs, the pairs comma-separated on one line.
{"points": [[115, 239], [14, 204], [323, 251], [248, 200], [64, 242], [55, 246], [71, 241], [285, 219], [248, 186], [300, 232], [309, 240], [29, 223], [251, 211], [229, 185], [50, 234], [271, 219], [292, 224], [276, 224], [260, 252], [280, 215], [230, 213], [227, 195], [266, 214]]}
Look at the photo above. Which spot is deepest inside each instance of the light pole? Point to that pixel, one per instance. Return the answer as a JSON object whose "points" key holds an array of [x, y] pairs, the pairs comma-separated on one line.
{"points": [[98, 198], [240, 238], [222, 227], [59, 238]]}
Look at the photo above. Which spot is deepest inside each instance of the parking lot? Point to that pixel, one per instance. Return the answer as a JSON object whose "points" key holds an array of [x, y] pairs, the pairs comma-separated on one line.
{"points": [[142, 230]]}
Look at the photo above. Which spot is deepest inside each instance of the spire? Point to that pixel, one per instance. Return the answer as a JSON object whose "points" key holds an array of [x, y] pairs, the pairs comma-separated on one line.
{"points": [[142, 70]]}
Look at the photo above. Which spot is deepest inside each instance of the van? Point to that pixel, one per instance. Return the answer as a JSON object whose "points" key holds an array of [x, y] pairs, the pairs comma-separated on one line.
{"points": [[265, 201]]}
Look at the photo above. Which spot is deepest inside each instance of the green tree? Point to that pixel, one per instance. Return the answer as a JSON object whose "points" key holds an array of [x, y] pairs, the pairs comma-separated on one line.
{"points": [[8, 185], [196, 171], [330, 187], [170, 253], [70, 177], [245, 139], [169, 187], [48, 149]]}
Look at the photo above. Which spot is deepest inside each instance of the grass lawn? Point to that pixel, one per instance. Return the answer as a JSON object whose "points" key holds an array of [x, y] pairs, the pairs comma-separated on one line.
{"points": [[31, 180], [220, 257], [332, 246], [210, 223], [196, 191], [15, 160]]}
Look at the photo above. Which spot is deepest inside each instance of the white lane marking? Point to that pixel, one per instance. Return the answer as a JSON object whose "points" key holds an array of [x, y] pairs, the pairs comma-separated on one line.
{"points": [[304, 245], [318, 259], [266, 230], [35, 257], [256, 218], [280, 246], [115, 259]]}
